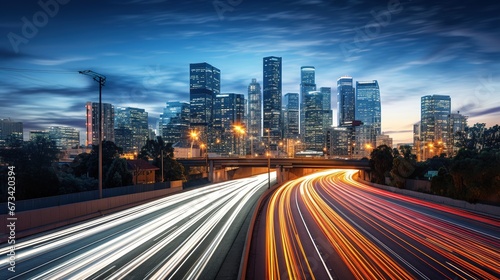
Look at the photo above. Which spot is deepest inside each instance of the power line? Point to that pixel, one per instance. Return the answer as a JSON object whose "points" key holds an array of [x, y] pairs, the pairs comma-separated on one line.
{"points": [[11, 69]]}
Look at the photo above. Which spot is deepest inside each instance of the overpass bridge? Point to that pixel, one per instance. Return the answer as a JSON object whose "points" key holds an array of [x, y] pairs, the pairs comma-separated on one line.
{"points": [[222, 169]]}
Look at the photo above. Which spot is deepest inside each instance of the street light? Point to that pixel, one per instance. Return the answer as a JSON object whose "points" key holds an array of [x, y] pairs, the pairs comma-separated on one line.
{"points": [[194, 136], [205, 154], [101, 79], [268, 154], [239, 130], [369, 147]]}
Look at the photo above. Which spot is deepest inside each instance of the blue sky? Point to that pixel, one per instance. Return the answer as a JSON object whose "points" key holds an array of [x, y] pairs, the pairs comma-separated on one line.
{"points": [[413, 48]]}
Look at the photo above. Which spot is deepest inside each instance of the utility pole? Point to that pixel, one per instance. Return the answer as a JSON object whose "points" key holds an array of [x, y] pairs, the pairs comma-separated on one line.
{"points": [[101, 79], [268, 159]]}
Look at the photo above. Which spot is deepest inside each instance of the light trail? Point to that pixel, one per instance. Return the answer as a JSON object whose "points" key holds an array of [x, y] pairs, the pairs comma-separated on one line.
{"points": [[369, 233], [174, 237]]}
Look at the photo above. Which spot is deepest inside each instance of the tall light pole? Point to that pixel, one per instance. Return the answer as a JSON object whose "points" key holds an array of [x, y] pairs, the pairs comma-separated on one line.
{"points": [[268, 153], [194, 136], [101, 79], [240, 131]]}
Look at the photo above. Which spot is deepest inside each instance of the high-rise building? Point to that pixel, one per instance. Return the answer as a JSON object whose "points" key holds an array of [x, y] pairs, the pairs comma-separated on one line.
{"points": [[254, 114], [314, 133], [456, 123], [435, 110], [339, 142], [92, 123], [307, 84], [136, 121], [204, 86], [416, 141], [64, 137], [345, 101], [229, 128], [326, 92], [11, 133], [174, 122], [368, 111], [272, 82], [291, 115]]}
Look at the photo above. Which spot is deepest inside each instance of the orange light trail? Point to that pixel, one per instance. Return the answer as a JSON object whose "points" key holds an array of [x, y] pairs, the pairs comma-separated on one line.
{"points": [[369, 233]]}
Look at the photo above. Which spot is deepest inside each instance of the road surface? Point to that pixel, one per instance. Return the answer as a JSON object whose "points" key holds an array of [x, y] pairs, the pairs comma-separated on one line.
{"points": [[328, 226], [182, 236]]}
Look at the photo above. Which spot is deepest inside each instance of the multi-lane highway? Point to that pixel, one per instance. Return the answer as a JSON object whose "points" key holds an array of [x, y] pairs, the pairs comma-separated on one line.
{"points": [[183, 236], [328, 226]]}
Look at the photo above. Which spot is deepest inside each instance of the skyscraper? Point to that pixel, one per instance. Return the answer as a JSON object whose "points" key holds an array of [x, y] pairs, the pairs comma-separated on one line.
{"points": [[254, 111], [314, 133], [11, 133], [435, 110], [272, 97], [326, 92], [368, 111], [136, 121], [307, 84], [174, 122], [204, 85], [229, 113], [345, 101], [456, 123], [92, 123], [291, 115]]}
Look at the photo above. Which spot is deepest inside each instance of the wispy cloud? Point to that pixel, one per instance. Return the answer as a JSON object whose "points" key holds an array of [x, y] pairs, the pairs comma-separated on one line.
{"points": [[59, 61]]}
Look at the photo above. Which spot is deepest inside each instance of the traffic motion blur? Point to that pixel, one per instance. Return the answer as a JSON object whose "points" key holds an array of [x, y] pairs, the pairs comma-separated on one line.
{"points": [[329, 226]]}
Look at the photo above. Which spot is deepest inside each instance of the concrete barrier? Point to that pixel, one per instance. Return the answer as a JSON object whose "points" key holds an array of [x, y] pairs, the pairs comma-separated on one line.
{"points": [[246, 250], [39, 220]]}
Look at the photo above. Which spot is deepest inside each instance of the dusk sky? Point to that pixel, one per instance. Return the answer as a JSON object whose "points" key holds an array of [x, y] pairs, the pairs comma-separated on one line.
{"points": [[144, 48]]}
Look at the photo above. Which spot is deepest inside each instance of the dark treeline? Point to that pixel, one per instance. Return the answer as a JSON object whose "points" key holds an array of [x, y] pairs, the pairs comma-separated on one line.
{"points": [[473, 174], [38, 173]]}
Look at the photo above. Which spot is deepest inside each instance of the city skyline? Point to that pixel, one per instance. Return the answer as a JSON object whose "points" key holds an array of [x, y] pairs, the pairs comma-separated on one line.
{"points": [[412, 48]]}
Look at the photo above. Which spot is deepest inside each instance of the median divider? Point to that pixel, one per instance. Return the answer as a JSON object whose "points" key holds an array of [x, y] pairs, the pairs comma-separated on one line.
{"points": [[246, 249]]}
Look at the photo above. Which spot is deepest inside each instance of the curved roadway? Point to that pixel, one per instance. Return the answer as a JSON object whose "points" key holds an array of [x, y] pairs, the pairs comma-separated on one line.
{"points": [[182, 236], [328, 226]]}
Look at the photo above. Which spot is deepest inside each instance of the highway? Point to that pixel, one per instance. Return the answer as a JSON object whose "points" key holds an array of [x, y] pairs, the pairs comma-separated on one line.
{"points": [[329, 226], [183, 236]]}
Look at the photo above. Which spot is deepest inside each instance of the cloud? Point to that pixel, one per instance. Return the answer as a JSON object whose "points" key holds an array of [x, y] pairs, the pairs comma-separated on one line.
{"points": [[485, 112], [59, 61]]}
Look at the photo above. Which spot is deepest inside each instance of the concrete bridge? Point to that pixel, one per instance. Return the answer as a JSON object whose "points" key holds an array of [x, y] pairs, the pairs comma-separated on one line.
{"points": [[222, 169]]}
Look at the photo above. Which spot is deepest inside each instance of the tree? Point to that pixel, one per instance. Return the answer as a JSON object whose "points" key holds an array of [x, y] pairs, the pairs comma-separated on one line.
{"points": [[402, 168], [381, 159], [153, 149], [478, 137], [115, 172], [35, 174]]}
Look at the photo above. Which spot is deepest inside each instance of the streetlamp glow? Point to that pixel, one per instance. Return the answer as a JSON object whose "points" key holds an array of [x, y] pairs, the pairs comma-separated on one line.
{"points": [[239, 131], [194, 136]]}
